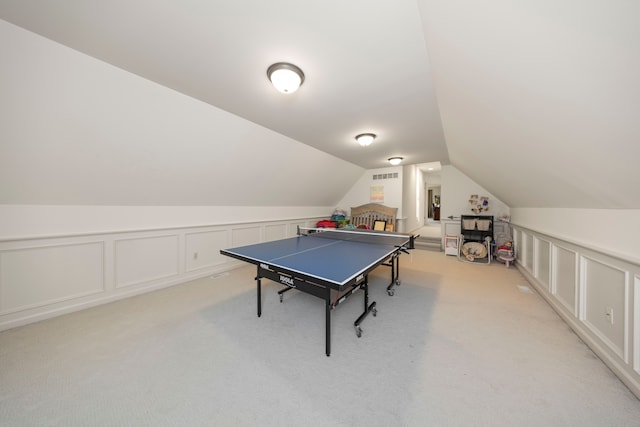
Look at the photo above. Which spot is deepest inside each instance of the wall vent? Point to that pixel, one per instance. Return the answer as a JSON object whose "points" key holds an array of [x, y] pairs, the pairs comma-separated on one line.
{"points": [[385, 176]]}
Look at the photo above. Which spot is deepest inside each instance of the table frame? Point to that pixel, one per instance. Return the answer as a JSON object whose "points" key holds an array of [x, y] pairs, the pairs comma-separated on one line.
{"points": [[322, 288]]}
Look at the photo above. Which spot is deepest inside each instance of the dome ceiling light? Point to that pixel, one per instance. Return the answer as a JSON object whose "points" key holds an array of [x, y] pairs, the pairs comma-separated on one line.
{"points": [[285, 77], [395, 160], [365, 139]]}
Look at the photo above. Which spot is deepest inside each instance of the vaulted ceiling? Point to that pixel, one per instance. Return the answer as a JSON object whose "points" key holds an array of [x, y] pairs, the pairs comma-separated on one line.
{"points": [[536, 100]]}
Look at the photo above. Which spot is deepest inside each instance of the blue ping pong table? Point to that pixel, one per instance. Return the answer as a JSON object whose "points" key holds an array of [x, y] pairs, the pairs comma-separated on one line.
{"points": [[327, 263]]}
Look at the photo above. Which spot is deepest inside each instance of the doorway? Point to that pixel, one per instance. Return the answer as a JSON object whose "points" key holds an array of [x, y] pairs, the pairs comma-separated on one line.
{"points": [[429, 197], [432, 202]]}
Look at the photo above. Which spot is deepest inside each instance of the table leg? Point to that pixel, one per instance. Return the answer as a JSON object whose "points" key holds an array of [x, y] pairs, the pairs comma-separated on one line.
{"points": [[327, 308], [368, 308], [395, 273], [259, 295]]}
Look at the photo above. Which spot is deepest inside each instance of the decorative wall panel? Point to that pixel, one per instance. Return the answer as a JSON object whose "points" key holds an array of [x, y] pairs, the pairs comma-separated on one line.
{"points": [[528, 251], [245, 236], [202, 249], [43, 278], [543, 260], [37, 276], [518, 245], [144, 259], [565, 278], [275, 232], [605, 294], [636, 324], [597, 293]]}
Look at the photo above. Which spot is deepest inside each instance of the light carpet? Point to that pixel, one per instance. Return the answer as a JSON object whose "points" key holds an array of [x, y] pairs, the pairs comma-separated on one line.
{"points": [[457, 345], [429, 230]]}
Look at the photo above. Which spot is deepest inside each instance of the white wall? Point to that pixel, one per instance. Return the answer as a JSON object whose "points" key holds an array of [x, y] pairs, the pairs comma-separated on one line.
{"points": [[455, 191], [597, 294], [112, 185], [552, 123], [35, 221], [404, 193], [43, 277], [78, 131], [614, 231], [432, 180], [413, 198], [360, 192]]}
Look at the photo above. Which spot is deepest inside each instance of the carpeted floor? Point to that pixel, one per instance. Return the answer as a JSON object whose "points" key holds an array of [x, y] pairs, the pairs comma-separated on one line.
{"points": [[457, 345], [430, 230]]}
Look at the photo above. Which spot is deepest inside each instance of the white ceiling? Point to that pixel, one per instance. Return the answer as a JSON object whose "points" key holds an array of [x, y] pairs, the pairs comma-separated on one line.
{"points": [[365, 63], [535, 100]]}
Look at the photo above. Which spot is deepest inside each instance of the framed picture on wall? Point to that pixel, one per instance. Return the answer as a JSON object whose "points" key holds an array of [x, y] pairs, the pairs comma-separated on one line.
{"points": [[377, 193]]}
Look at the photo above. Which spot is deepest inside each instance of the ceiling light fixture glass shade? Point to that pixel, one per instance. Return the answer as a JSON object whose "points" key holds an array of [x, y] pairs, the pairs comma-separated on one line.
{"points": [[285, 77], [395, 160], [365, 139]]}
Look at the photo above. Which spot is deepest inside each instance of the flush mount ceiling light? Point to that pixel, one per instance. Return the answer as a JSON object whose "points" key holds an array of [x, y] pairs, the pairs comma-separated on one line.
{"points": [[365, 139], [286, 77], [395, 160]]}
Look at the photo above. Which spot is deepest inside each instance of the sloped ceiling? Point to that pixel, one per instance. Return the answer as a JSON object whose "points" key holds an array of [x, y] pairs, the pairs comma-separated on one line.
{"points": [[535, 100], [365, 63], [539, 99]]}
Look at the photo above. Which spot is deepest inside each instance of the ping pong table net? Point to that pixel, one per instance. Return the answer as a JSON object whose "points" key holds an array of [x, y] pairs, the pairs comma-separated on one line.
{"points": [[357, 235]]}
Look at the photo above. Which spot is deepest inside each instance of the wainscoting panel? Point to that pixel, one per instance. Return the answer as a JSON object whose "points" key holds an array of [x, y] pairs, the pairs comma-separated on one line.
{"points": [[596, 293], [48, 276], [636, 324], [565, 278], [543, 260], [37, 276], [528, 251], [275, 232], [518, 244], [202, 249], [605, 291], [145, 259], [245, 236]]}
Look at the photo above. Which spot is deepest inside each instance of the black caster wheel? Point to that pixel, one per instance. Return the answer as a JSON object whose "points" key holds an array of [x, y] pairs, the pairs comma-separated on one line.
{"points": [[390, 292], [358, 331]]}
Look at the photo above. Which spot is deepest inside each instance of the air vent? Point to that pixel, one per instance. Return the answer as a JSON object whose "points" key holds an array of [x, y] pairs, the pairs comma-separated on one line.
{"points": [[385, 176]]}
